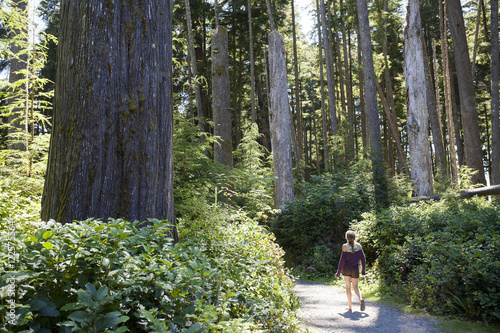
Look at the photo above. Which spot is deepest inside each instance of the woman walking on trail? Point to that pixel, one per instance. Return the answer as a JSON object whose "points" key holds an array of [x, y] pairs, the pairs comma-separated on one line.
{"points": [[352, 254]]}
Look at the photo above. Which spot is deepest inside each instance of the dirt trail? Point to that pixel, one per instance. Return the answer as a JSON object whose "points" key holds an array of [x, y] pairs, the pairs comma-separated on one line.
{"points": [[323, 310]]}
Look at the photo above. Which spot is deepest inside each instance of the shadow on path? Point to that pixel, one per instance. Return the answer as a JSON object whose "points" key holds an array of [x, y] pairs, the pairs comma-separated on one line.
{"points": [[323, 310]]}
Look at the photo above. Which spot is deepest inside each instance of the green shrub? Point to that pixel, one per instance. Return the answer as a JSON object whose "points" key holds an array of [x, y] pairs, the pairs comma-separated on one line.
{"points": [[441, 256], [92, 276], [320, 217]]}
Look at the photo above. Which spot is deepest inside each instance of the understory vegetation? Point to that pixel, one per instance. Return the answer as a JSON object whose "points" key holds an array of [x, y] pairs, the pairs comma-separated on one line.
{"points": [[226, 274], [440, 256]]}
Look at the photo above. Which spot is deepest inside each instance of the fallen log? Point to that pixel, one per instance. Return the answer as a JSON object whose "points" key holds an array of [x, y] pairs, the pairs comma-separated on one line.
{"points": [[480, 191]]}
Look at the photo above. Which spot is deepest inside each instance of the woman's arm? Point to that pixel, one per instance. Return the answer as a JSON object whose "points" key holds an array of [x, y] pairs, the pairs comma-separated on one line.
{"points": [[341, 264], [363, 262]]}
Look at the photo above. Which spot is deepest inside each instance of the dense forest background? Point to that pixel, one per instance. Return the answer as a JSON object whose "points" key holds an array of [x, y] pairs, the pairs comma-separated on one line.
{"points": [[222, 130]]}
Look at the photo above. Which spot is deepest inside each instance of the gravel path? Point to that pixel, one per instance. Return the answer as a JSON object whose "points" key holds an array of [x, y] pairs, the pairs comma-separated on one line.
{"points": [[323, 310]]}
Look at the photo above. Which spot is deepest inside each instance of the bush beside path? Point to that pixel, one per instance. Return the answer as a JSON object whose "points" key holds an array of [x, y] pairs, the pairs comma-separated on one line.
{"points": [[323, 309]]}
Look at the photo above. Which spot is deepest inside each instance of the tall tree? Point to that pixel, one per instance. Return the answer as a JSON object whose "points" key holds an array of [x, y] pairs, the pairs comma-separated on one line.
{"points": [[280, 121], [372, 118], [326, 150], [17, 79], [495, 120], [447, 92], [417, 114], [329, 70], [194, 67], [221, 97], [252, 65], [298, 109], [111, 148], [470, 124]]}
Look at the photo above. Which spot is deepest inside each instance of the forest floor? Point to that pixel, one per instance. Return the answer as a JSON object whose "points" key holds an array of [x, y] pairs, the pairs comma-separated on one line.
{"points": [[323, 310]]}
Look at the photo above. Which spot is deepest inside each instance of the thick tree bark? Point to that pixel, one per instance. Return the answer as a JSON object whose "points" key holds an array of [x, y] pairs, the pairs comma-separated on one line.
{"points": [[362, 104], [280, 121], [495, 120], [372, 118], [326, 150], [416, 101], [111, 151], [470, 124], [223, 148]]}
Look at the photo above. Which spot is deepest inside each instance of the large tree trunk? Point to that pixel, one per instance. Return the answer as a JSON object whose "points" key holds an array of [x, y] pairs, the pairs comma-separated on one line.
{"points": [[280, 121], [326, 150], [470, 125], [372, 118], [223, 148], [416, 101], [111, 147], [495, 120]]}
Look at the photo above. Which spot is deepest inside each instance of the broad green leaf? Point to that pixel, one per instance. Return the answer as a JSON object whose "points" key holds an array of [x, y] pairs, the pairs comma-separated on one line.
{"points": [[85, 298], [196, 327], [47, 245], [72, 306], [80, 316], [47, 234], [101, 293], [91, 289], [108, 321], [48, 311]]}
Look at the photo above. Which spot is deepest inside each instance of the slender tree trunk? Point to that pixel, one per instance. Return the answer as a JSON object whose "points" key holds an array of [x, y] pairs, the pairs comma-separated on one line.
{"points": [[280, 121], [470, 125], [194, 68], [264, 124], [416, 101], [476, 37], [362, 104], [300, 125], [223, 148], [445, 166], [373, 122], [434, 117], [326, 149], [111, 150], [393, 127], [270, 13], [329, 71], [495, 119], [350, 103], [17, 119], [447, 94], [252, 64]]}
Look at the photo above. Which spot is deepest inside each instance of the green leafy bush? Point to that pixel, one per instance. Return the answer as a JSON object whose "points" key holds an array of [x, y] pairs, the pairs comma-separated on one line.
{"points": [[92, 276], [441, 256], [315, 223]]}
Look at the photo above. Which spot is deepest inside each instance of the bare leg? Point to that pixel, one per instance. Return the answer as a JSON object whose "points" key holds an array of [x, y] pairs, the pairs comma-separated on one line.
{"points": [[356, 288], [347, 280]]}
